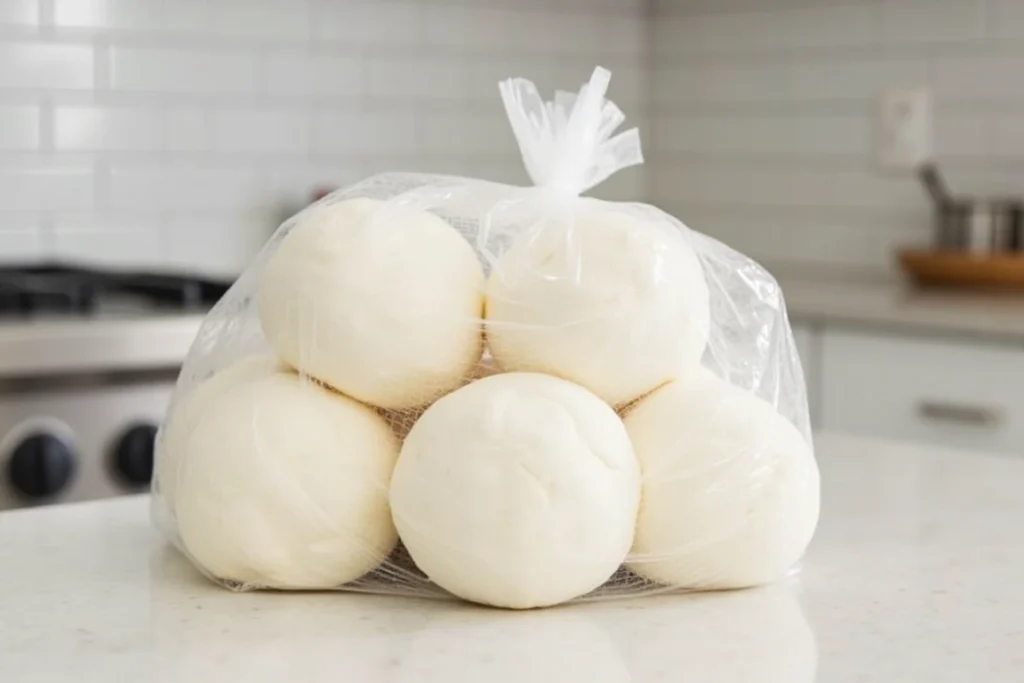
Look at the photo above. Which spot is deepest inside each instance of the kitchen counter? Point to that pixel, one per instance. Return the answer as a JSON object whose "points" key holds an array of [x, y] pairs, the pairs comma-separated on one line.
{"points": [[900, 307], [129, 340], [917, 574]]}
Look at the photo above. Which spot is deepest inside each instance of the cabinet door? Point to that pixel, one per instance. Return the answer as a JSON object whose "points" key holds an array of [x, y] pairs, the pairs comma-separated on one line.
{"points": [[949, 393]]}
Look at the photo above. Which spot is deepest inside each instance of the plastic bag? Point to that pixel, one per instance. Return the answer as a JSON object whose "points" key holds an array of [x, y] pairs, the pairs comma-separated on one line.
{"points": [[528, 396]]}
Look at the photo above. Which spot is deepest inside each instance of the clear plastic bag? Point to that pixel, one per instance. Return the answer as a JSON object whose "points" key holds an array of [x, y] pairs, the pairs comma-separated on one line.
{"points": [[528, 396]]}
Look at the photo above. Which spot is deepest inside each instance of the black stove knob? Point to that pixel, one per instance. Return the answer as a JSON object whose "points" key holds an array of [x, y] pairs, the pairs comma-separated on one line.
{"points": [[133, 454], [41, 466]]}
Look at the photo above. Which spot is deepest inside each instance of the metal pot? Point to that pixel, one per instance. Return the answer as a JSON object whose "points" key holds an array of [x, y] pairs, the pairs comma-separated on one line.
{"points": [[974, 224]]}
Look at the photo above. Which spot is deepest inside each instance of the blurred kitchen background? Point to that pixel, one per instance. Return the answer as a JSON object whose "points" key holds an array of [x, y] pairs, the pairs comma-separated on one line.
{"points": [[172, 133], [162, 141]]}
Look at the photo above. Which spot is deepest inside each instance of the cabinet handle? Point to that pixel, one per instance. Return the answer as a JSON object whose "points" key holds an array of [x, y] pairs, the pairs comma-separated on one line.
{"points": [[971, 415]]}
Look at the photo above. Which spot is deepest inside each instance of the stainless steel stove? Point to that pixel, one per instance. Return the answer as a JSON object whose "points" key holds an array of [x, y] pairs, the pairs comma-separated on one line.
{"points": [[88, 360]]}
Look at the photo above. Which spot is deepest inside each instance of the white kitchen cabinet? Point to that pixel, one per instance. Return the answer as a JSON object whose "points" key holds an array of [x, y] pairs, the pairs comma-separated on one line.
{"points": [[943, 392], [806, 339]]}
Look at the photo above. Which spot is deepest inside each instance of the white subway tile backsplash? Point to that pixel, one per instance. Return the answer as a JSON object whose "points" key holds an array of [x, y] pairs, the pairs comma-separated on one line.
{"points": [[628, 185], [19, 12], [487, 73], [777, 240], [177, 71], [292, 182], [667, 8], [186, 129], [167, 188], [109, 14], [970, 179], [746, 185], [242, 130], [959, 135], [43, 188], [672, 83], [1005, 135], [978, 77], [462, 134], [187, 17], [38, 65], [101, 240], [1005, 19], [852, 79], [764, 135], [802, 81], [107, 128], [266, 19], [219, 245], [381, 22], [558, 33], [630, 86], [479, 28], [584, 7], [531, 30], [667, 37], [20, 242], [783, 29], [305, 74], [904, 21], [631, 8], [179, 132], [271, 20], [19, 127], [361, 132], [620, 35], [764, 116], [419, 78]]}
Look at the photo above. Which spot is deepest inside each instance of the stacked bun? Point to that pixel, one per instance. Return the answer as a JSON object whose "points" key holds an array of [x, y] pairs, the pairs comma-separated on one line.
{"points": [[526, 435]]}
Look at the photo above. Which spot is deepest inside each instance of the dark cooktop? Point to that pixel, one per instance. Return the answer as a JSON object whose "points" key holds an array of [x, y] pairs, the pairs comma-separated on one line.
{"points": [[69, 289]]}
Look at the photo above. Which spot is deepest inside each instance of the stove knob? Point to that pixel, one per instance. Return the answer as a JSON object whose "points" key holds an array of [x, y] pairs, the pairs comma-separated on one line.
{"points": [[41, 466], [133, 454]]}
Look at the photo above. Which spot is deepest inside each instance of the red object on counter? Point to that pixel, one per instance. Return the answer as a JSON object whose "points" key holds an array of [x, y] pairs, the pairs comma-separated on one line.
{"points": [[321, 192]]}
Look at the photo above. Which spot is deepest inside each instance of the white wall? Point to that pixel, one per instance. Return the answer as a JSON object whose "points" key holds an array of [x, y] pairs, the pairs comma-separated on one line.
{"points": [[171, 133], [763, 116]]}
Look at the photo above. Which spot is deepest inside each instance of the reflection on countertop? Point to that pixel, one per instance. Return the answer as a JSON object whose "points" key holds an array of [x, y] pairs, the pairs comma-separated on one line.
{"points": [[914, 576]]}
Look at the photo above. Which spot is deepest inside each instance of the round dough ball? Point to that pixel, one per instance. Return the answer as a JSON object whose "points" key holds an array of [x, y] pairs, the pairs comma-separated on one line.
{"points": [[380, 301], [284, 485], [619, 305], [730, 487], [181, 420], [519, 490]]}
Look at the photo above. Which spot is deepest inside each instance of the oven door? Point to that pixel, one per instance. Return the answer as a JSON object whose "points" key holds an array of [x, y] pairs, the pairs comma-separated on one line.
{"points": [[79, 437]]}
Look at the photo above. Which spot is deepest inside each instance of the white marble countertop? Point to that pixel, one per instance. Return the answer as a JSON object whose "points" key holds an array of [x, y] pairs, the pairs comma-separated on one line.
{"points": [[903, 308], [917, 574]]}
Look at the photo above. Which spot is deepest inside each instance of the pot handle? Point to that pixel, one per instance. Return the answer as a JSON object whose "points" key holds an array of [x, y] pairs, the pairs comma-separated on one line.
{"points": [[932, 181]]}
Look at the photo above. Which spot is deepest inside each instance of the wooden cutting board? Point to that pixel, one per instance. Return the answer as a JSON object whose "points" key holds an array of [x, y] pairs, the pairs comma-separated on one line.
{"points": [[961, 269]]}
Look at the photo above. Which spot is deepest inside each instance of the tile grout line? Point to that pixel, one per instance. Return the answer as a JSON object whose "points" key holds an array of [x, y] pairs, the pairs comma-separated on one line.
{"points": [[47, 20]]}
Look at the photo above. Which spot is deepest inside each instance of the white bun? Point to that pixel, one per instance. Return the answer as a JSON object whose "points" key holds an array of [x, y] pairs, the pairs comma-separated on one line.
{"points": [[380, 301], [617, 305], [731, 488], [284, 485], [183, 415], [519, 490]]}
